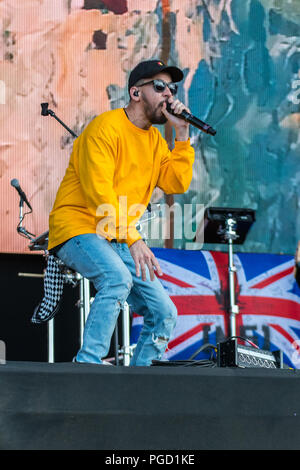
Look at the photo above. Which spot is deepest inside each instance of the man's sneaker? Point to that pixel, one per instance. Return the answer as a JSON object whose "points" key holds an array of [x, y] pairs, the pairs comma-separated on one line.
{"points": [[105, 363]]}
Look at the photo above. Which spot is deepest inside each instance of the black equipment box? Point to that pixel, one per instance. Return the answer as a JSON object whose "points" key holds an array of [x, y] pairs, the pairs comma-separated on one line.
{"points": [[231, 354]]}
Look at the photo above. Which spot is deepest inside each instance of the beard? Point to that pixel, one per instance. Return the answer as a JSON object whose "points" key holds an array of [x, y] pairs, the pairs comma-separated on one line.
{"points": [[154, 113], [159, 119]]}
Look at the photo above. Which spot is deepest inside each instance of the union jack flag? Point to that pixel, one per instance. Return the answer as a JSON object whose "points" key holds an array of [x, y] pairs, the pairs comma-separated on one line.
{"points": [[266, 293]]}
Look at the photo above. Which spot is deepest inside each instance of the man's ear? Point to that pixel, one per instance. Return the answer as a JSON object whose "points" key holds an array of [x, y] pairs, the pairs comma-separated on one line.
{"points": [[134, 93]]}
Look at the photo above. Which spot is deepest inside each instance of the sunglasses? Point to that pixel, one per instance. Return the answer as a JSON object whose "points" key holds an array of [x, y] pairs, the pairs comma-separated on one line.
{"points": [[160, 86]]}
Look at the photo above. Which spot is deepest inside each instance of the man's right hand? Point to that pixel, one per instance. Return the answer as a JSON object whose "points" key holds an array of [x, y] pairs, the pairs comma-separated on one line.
{"points": [[142, 256]]}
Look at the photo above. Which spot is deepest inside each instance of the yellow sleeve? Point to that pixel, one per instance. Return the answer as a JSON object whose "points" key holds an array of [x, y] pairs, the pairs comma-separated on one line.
{"points": [[96, 168], [176, 168]]}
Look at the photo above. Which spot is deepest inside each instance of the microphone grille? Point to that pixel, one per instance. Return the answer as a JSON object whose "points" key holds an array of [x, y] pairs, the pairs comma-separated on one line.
{"points": [[14, 182]]}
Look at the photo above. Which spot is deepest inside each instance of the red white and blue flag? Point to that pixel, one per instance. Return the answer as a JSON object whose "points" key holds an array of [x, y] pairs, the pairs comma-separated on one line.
{"points": [[266, 293]]}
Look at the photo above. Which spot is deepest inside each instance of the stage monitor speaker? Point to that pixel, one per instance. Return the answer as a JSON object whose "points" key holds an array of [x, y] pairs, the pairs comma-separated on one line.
{"points": [[232, 354]]}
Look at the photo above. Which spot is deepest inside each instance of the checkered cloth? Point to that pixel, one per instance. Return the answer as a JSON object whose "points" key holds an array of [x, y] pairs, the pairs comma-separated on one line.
{"points": [[53, 289]]}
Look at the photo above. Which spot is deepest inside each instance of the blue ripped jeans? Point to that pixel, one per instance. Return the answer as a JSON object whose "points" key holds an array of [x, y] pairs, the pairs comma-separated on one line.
{"points": [[110, 267]]}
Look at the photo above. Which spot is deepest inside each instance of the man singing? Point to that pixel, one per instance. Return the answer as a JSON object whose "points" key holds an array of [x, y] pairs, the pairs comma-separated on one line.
{"points": [[115, 165]]}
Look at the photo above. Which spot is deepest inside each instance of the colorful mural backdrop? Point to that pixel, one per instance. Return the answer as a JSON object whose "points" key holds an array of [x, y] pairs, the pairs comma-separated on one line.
{"points": [[241, 60]]}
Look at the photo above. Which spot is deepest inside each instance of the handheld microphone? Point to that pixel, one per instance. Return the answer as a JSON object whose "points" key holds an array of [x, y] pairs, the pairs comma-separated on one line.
{"points": [[15, 184], [188, 117]]}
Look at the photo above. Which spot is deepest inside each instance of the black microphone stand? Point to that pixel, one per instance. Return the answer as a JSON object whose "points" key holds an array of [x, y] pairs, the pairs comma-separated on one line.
{"points": [[49, 112], [20, 229]]}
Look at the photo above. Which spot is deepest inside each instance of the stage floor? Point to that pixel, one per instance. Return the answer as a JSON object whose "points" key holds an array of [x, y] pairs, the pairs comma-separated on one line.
{"points": [[85, 406]]}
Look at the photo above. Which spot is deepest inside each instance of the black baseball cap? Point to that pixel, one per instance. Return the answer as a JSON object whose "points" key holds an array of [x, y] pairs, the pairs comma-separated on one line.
{"points": [[149, 68]]}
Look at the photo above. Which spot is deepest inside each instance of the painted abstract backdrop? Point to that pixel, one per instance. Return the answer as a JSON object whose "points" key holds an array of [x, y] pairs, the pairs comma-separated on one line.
{"points": [[241, 60]]}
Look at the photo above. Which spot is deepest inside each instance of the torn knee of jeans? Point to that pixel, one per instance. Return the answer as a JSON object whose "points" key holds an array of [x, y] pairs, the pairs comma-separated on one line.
{"points": [[160, 340], [160, 343], [157, 339]]}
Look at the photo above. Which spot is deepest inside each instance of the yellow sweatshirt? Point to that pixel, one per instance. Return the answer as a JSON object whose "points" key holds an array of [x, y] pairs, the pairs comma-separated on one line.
{"points": [[113, 170]]}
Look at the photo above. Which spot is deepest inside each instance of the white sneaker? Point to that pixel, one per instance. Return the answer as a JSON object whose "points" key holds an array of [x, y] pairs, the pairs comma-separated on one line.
{"points": [[105, 363]]}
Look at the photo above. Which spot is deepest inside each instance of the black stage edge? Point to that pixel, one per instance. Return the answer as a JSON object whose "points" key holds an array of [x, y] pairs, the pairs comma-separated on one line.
{"points": [[88, 407]]}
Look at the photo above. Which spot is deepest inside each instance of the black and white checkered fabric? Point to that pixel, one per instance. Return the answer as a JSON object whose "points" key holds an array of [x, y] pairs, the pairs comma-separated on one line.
{"points": [[53, 290]]}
